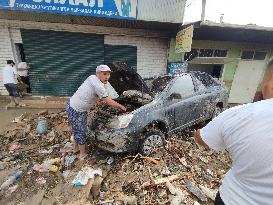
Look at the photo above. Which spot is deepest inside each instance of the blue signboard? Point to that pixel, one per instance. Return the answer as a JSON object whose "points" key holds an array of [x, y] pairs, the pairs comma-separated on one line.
{"points": [[122, 9], [177, 68]]}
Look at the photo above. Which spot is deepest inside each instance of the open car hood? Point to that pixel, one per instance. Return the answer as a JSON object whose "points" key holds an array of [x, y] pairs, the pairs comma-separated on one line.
{"points": [[125, 78]]}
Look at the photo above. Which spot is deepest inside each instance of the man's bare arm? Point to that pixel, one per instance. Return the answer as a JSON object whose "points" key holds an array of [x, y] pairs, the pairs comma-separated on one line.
{"points": [[198, 138], [113, 103], [22, 69]]}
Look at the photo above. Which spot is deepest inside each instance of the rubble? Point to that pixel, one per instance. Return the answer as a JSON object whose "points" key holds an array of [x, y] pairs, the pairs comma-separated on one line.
{"points": [[179, 173], [196, 191]]}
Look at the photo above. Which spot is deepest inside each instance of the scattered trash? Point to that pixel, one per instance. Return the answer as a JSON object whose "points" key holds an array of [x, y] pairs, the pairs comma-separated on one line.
{"points": [[11, 190], [68, 160], [179, 198], [48, 165], [14, 146], [18, 119], [203, 159], [3, 165], [160, 181], [106, 202], [152, 160], [67, 148], [42, 126], [46, 151], [183, 161], [40, 180], [155, 156], [196, 191], [85, 174], [11, 180], [129, 175], [66, 173], [110, 160], [208, 192], [209, 172], [131, 200], [95, 190]]}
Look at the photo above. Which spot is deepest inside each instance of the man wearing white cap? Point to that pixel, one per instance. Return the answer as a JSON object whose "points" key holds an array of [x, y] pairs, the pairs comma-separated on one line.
{"points": [[92, 90]]}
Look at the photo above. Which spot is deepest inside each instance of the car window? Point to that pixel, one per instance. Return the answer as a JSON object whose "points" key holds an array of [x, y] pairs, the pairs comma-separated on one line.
{"points": [[200, 86], [206, 79], [183, 86]]}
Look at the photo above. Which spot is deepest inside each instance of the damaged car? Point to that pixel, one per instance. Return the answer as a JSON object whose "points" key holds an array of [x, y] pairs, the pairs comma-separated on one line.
{"points": [[155, 108]]}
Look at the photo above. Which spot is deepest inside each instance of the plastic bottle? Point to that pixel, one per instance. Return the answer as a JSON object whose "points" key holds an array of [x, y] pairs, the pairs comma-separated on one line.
{"points": [[42, 126], [11, 180]]}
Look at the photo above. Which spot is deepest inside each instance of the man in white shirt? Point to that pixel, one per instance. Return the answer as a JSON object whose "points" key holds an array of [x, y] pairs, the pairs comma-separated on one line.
{"points": [[9, 81], [22, 71], [246, 132], [87, 95]]}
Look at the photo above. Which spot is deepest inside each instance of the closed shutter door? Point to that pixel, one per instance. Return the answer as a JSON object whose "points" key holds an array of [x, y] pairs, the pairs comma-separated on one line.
{"points": [[119, 53], [61, 61]]}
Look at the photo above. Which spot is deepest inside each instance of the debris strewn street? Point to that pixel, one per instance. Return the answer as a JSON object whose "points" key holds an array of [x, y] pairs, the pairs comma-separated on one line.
{"points": [[50, 173]]}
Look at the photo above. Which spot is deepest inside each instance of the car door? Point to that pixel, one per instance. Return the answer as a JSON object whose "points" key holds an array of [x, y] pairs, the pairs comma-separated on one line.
{"points": [[206, 93], [181, 101], [204, 98]]}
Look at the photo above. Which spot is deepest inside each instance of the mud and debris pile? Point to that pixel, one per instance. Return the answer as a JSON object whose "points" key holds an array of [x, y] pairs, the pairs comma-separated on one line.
{"points": [[179, 173], [131, 99]]}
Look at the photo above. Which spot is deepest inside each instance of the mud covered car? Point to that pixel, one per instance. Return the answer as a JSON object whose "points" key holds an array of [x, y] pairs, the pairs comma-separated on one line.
{"points": [[155, 108]]}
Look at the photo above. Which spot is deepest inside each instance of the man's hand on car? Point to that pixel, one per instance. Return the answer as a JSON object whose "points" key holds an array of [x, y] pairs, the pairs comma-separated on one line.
{"points": [[123, 108]]}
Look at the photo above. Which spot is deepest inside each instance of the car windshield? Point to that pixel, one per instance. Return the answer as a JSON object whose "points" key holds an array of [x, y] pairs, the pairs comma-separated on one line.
{"points": [[157, 85], [206, 79]]}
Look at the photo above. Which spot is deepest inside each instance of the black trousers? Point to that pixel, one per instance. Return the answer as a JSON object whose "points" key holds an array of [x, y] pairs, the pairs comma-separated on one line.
{"points": [[218, 200], [25, 80]]}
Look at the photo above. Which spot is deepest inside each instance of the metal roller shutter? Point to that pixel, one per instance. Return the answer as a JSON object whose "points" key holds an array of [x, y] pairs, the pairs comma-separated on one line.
{"points": [[61, 61], [120, 53]]}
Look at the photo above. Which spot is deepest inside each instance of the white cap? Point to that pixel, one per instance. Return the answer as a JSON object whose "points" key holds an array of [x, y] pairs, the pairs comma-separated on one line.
{"points": [[103, 68], [22, 65]]}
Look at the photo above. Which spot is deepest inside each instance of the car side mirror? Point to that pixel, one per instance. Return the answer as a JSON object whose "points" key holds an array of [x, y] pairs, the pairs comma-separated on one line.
{"points": [[174, 96]]}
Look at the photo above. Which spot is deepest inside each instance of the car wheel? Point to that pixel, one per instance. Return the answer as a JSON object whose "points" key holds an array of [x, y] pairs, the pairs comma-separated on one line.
{"points": [[151, 142], [217, 111]]}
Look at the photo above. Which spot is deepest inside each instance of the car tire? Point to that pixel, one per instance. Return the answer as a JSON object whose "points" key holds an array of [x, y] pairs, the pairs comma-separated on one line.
{"points": [[217, 111], [151, 142]]}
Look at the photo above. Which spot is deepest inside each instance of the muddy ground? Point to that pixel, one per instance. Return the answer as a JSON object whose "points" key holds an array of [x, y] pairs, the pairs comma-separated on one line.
{"points": [[126, 178]]}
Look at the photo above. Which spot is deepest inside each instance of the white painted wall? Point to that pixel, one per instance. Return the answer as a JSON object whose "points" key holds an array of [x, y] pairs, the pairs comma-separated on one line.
{"points": [[161, 10], [5, 54], [151, 53], [247, 77], [151, 45]]}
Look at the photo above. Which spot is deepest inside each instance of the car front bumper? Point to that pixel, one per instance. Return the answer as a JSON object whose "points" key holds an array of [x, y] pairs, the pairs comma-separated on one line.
{"points": [[117, 141]]}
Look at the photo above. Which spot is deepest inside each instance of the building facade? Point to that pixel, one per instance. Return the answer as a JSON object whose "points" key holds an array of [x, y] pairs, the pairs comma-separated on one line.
{"points": [[236, 55], [63, 49]]}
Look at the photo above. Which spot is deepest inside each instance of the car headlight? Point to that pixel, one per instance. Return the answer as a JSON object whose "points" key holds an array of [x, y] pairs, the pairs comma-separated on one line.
{"points": [[121, 121]]}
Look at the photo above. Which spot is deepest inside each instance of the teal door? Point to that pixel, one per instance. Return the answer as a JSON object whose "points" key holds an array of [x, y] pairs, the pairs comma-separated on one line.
{"points": [[61, 61]]}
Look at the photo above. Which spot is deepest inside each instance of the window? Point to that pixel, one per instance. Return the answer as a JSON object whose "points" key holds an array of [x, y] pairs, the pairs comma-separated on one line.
{"points": [[206, 79], [205, 52], [183, 86], [191, 55], [247, 55], [259, 55], [200, 85], [253, 55], [220, 53]]}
